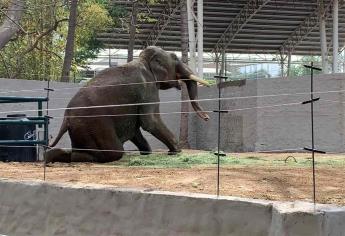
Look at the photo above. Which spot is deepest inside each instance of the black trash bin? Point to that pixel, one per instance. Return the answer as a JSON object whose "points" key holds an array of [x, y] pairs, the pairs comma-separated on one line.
{"points": [[18, 132]]}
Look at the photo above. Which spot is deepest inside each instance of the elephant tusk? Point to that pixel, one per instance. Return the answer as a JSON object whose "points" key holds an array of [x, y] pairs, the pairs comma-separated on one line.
{"points": [[201, 81]]}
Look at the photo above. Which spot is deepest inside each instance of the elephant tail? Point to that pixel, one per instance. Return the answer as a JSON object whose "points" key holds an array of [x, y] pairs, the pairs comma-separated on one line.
{"points": [[63, 130]]}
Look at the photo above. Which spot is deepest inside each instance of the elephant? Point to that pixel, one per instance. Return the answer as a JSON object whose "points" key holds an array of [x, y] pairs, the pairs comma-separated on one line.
{"points": [[103, 114]]}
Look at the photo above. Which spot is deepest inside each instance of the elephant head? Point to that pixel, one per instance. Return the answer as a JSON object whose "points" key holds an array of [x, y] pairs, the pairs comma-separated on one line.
{"points": [[169, 72]]}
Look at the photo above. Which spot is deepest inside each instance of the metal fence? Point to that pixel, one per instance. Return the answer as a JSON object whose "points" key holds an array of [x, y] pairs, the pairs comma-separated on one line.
{"points": [[217, 109]]}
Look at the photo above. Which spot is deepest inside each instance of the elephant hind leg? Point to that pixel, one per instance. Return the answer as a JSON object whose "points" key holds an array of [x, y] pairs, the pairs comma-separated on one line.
{"points": [[140, 141], [106, 151], [95, 141], [77, 156], [99, 154], [109, 147]]}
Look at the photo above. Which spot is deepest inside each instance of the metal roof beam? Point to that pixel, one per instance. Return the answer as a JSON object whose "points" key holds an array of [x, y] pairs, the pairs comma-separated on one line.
{"points": [[162, 22], [247, 12], [304, 29]]}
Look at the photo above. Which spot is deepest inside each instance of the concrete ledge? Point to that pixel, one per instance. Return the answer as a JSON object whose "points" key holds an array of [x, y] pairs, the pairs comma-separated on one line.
{"points": [[40, 208]]}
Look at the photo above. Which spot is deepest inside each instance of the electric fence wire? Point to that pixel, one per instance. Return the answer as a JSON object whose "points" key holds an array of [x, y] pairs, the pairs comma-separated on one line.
{"points": [[140, 104], [88, 87], [166, 113], [159, 113], [153, 82], [177, 101], [239, 109], [138, 151]]}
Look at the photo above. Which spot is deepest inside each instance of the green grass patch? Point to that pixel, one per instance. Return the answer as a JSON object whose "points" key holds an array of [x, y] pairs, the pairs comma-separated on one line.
{"points": [[185, 160]]}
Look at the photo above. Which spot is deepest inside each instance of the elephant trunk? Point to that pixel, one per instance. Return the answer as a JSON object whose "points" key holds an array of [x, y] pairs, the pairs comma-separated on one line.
{"points": [[193, 95]]}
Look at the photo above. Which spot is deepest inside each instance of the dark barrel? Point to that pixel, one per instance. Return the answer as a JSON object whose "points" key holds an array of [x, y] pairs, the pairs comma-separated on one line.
{"points": [[17, 132]]}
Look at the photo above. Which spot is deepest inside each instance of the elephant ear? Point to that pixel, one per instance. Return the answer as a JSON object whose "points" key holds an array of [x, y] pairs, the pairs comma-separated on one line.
{"points": [[158, 69]]}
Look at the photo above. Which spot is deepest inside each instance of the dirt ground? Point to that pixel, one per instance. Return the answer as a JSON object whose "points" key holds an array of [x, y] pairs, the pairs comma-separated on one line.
{"points": [[272, 182]]}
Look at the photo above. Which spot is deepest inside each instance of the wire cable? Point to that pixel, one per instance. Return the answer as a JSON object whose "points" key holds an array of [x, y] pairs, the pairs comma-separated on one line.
{"points": [[137, 151], [179, 112], [141, 104]]}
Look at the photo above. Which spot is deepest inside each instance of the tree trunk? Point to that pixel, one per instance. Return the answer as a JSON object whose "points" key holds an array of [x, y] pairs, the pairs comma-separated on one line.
{"points": [[69, 51], [11, 25], [183, 139], [132, 30]]}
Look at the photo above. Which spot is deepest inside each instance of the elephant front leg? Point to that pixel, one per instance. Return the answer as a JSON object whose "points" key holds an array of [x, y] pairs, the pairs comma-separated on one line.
{"points": [[141, 143], [154, 125]]}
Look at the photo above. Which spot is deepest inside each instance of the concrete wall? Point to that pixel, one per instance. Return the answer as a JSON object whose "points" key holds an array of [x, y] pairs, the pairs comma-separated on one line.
{"points": [[280, 127], [36, 208]]}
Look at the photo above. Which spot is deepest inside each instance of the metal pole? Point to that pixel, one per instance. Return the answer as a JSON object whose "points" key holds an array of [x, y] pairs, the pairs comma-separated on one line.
{"points": [[225, 65], [191, 34], [289, 64], [323, 41], [109, 57], [335, 36], [218, 145], [282, 59], [311, 101], [219, 129], [200, 37], [217, 63], [312, 128], [46, 132], [222, 68]]}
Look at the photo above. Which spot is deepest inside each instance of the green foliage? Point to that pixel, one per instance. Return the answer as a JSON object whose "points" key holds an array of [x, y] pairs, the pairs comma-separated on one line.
{"points": [[300, 70], [20, 59], [33, 56], [93, 18], [88, 50]]}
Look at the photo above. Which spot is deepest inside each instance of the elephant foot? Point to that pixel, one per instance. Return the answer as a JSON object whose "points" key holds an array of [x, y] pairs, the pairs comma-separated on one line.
{"points": [[174, 152], [145, 153], [57, 155]]}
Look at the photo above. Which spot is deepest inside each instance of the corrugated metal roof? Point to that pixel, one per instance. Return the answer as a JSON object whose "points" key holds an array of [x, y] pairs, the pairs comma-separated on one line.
{"points": [[269, 26]]}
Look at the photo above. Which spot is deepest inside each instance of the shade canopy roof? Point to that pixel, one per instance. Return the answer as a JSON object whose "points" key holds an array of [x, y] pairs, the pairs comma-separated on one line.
{"points": [[238, 26]]}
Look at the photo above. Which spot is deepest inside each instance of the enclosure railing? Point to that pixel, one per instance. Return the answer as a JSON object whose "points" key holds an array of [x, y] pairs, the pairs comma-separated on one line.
{"points": [[39, 120]]}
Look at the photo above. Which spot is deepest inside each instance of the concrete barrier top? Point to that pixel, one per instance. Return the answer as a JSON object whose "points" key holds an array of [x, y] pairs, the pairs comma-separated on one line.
{"points": [[44, 208]]}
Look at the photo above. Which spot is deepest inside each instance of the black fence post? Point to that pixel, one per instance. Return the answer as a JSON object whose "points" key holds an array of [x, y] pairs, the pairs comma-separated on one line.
{"points": [[219, 111], [311, 101], [46, 129]]}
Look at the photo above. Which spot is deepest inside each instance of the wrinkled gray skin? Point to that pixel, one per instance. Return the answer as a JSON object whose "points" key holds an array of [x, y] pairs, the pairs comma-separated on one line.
{"points": [[161, 70]]}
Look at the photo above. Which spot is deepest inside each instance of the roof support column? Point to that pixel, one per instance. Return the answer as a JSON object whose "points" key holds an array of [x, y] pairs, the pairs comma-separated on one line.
{"points": [[191, 34], [222, 68], [225, 64], [282, 68], [217, 63], [323, 39], [282, 59], [289, 64], [343, 61], [200, 38], [335, 36]]}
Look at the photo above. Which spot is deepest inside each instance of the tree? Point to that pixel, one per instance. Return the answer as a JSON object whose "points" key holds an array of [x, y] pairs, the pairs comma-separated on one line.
{"points": [[69, 51], [11, 24], [183, 138], [37, 51]]}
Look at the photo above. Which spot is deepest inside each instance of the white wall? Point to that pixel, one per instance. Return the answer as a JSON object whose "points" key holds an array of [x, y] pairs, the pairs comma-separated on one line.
{"points": [[37, 208]]}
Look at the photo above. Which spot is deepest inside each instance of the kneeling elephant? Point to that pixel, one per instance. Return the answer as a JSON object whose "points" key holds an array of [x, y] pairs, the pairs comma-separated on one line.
{"points": [[112, 108]]}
